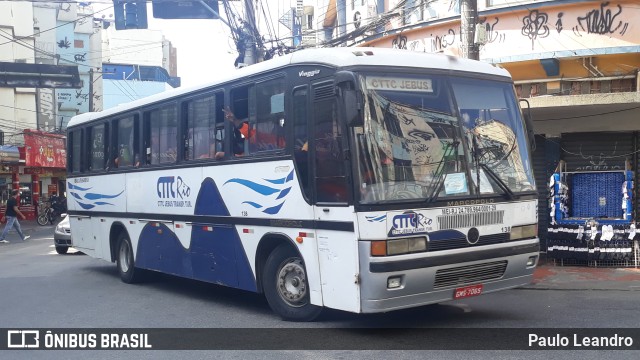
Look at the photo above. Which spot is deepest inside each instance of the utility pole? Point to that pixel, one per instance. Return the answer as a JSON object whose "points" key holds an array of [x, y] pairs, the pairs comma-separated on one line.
{"points": [[91, 89], [250, 53], [468, 20], [342, 17]]}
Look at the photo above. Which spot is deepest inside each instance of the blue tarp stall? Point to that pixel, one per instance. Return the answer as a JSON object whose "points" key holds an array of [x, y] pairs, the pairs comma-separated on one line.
{"points": [[592, 217]]}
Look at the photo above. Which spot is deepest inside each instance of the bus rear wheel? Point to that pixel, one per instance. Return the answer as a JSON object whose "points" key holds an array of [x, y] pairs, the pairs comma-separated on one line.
{"points": [[126, 265], [286, 286]]}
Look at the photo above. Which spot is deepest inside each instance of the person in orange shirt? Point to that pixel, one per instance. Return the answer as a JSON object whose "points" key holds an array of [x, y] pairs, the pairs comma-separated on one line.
{"points": [[241, 131]]}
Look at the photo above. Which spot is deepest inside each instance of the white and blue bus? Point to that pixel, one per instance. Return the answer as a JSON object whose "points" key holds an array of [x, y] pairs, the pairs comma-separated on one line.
{"points": [[359, 179]]}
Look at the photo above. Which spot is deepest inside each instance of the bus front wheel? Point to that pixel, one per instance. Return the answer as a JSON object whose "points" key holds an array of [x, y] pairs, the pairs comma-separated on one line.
{"points": [[286, 286], [126, 265]]}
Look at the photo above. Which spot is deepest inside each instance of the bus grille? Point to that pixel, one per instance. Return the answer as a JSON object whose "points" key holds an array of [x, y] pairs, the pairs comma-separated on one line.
{"points": [[470, 274], [470, 220], [461, 242]]}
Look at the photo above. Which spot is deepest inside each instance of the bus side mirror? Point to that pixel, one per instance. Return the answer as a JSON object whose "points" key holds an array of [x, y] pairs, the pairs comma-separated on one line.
{"points": [[351, 98], [528, 122], [353, 107]]}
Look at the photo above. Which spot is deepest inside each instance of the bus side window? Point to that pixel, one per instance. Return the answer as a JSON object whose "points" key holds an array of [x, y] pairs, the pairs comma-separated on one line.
{"points": [[200, 142], [125, 141], [162, 135], [97, 147], [270, 122], [239, 115]]}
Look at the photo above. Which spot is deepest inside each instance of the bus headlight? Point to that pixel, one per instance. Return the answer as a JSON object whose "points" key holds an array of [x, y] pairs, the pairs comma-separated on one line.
{"points": [[523, 232], [398, 246]]}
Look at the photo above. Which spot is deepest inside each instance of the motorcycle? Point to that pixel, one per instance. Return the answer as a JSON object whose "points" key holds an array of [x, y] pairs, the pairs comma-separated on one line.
{"points": [[51, 212]]}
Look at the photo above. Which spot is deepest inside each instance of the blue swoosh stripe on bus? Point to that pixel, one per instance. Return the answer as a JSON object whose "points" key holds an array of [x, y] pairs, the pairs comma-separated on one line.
{"points": [[76, 187], [290, 176], [261, 189], [275, 181], [85, 206], [273, 210], [255, 205], [283, 193], [103, 203], [92, 196], [376, 219], [76, 195]]}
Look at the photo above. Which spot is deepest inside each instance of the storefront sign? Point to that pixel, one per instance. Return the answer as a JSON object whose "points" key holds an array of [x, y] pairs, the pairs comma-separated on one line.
{"points": [[52, 189], [9, 154], [44, 150], [47, 109]]}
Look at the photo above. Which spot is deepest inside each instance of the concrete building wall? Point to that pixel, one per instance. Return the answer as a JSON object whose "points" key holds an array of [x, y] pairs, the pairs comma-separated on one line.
{"points": [[17, 105], [141, 47]]}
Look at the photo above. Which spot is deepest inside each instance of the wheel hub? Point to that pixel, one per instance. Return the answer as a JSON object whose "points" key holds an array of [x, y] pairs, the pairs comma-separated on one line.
{"points": [[292, 283], [124, 257]]}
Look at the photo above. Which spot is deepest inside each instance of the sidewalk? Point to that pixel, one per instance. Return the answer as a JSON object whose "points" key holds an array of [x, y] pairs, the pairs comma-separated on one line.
{"points": [[549, 276]]}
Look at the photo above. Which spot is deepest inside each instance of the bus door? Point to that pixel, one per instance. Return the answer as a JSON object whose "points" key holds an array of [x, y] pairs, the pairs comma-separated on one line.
{"points": [[337, 244]]}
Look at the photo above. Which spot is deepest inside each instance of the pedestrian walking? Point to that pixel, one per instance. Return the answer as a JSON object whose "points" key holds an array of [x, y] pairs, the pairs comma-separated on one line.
{"points": [[11, 214]]}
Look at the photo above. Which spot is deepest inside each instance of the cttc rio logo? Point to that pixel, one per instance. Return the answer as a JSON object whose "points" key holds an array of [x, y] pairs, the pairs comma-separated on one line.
{"points": [[172, 191], [409, 223]]}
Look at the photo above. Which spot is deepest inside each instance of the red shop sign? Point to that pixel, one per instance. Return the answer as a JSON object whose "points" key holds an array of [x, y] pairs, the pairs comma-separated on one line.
{"points": [[44, 150]]}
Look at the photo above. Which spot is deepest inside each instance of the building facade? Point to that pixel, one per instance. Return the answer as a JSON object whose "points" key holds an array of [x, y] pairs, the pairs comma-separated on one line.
{"points": [[136, 64], [112, 68], [576, 62]]}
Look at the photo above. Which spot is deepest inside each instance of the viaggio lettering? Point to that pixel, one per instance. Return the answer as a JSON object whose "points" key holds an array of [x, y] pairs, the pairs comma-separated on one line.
{"points": [[308, 73]]}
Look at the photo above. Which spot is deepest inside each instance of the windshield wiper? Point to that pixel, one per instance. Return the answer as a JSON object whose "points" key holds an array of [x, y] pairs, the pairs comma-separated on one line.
{"points": [[492, 174], [498, 180]]}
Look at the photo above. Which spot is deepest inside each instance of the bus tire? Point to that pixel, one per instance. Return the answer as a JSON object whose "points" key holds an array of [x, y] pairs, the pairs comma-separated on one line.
{"points": [[125, 262], [286, 286]]}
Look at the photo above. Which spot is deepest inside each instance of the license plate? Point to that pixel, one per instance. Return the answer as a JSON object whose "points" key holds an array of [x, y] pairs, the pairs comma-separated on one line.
{"points": [[463, 292]]}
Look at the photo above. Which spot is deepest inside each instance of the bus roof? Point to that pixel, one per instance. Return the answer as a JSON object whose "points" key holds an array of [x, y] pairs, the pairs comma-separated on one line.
{"points": [[336, 57]]}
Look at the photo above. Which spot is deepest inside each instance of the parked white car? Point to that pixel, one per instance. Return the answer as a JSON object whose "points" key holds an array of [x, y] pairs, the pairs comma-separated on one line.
{"points": [[62, 235]]}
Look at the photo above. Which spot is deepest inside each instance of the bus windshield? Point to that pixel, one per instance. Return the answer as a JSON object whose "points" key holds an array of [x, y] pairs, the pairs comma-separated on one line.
{"points": [[431, 137]]}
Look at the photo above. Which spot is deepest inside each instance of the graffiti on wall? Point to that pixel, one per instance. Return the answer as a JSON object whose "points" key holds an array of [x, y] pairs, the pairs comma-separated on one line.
{"points": [[535, 26], [559, 22], [399, 42], [601, 21], [544, 29], [599, 162], [492, 34], [430, 44], [64, 44]]}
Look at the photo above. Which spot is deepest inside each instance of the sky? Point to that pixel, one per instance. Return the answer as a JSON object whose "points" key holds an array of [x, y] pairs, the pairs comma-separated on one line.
{"points": [[205, 47]]}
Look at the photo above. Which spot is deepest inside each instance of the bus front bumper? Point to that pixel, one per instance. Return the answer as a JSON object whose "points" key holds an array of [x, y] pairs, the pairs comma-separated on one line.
{"points": [[435, 277]]}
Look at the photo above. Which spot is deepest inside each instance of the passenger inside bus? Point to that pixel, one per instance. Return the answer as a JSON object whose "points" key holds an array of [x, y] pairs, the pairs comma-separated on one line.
{"points": [[241, 131]]}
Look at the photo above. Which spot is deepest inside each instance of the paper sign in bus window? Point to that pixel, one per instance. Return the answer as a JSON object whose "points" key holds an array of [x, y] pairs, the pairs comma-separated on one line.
{"points": [[455, 183]]}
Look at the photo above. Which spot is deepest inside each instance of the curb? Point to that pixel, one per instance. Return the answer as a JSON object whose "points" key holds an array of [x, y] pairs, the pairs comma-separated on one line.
{"points": [[552, 277]]}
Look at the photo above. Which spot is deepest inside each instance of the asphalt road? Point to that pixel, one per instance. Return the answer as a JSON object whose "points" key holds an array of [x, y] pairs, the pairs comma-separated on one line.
{"points": [[41, 289]]}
